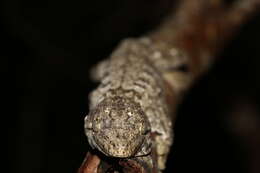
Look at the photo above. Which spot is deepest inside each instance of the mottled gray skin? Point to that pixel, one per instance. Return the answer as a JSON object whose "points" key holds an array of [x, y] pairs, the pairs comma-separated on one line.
{"points": [[130, 103]]}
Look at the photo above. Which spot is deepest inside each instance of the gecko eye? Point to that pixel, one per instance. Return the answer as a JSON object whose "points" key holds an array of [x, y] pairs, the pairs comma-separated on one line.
{"points": [[119, 127], [88, 124]]}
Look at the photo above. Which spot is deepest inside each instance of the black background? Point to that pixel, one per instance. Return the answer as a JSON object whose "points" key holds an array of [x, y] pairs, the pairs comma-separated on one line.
{"points": [[47, 49]]}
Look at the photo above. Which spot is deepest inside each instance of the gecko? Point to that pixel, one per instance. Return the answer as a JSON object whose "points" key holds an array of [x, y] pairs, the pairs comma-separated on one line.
{"points": [[129, 113]]}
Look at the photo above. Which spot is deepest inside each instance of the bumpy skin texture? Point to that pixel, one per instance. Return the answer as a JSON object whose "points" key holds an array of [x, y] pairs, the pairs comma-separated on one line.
{"points": [[130, 103]]}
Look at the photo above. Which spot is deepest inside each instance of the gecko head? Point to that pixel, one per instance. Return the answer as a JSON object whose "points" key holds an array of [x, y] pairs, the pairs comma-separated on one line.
{"points": [[118, 128]]}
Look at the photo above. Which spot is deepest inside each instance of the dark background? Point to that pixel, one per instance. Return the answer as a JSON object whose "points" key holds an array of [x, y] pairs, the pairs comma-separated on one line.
{"points": [[47, 49]]}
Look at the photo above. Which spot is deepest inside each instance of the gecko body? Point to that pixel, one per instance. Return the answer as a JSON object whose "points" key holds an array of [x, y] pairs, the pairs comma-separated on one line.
{"points": [[128, 111]]}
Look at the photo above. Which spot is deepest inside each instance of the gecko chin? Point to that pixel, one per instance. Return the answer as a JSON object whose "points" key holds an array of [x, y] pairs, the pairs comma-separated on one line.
{"points": [[118, 127]]}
